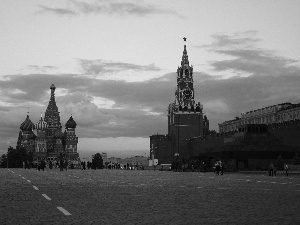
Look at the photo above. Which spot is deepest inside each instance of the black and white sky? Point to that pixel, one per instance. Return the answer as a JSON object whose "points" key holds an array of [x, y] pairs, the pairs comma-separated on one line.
{"points": [[114, 63]]}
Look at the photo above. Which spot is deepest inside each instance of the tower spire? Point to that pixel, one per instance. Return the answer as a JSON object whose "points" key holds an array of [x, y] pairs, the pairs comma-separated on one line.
{"points": [[185, 58]]}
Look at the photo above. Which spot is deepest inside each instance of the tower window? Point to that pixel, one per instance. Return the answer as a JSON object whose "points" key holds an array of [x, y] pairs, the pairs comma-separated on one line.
{"points": [[186, 72]]}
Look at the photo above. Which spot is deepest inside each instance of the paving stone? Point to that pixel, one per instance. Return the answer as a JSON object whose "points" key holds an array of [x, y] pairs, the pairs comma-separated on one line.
{"points": [[146, 197]]}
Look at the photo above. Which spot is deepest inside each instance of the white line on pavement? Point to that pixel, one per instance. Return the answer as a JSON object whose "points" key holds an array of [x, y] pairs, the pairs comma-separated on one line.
{"points": [[23, 178], [64, 211], [46, 197], [29, 181], [35, 188]]}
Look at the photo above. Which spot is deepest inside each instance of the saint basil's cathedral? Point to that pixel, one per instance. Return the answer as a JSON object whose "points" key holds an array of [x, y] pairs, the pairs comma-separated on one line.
{"points": [[49, 142]]}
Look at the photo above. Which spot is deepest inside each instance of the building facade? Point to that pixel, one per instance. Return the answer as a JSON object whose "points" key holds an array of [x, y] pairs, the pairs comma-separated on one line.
{"points": [[46, 138], [272, 114]]}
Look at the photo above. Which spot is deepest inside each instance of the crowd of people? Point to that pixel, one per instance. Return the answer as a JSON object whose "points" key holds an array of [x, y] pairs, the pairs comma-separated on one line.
{"points": [[42, 164]]}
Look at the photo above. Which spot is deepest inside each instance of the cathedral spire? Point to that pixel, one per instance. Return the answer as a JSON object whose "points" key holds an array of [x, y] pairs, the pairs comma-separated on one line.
{"points": [[52, 114]]}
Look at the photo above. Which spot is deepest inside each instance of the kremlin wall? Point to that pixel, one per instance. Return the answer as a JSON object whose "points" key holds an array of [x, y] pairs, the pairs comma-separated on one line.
{"points": [[249, 142]]}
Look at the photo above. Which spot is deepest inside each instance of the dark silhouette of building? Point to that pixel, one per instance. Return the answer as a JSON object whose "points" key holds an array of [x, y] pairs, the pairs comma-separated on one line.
{"points": [[251, 142], [49, 142], [185, 119]]}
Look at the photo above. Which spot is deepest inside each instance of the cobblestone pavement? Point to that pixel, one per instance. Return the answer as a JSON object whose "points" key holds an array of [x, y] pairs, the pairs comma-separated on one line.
{"points": [[146, 197]]}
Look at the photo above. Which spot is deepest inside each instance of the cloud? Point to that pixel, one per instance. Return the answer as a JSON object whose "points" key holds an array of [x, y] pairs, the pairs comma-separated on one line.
{"points": [[259, 78], [98, 67], [129, 115], [244, 58], [109, 8], [240, 39], [41, 69], [139, 109], [58, 11]]}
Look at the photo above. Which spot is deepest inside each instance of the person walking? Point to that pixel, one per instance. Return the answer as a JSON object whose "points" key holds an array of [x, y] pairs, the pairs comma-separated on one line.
{"points": [[61, 165], [221, 167], [217, 167], [43, 164], [271, 169], [286, 168], [66, 165]]}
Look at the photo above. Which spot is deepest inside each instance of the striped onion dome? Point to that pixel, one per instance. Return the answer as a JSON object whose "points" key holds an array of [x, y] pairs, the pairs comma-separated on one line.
{"points": [[41, 125], [27, 125]]}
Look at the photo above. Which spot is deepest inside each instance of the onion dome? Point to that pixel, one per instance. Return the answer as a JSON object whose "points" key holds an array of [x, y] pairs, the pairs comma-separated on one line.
{"points": [[52, 87], [59, 134], [41, 125], [27, 125], [71, 123]]}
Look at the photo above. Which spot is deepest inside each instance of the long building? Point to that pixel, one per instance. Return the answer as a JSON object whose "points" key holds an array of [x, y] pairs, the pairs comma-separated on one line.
{"points": [[272, 114]]}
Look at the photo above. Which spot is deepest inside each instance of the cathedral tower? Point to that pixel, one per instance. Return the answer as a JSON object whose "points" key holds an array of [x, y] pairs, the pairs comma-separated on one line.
{"points": [[71, 138], [41, 141], [26, 136], [52, 118]]}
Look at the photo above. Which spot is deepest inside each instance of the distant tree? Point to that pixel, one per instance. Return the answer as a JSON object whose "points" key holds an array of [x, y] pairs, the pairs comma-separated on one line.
{"points": [[296, 159], [16, 157], [97, 161], [212, 132], [279, 163], [3, 161]]}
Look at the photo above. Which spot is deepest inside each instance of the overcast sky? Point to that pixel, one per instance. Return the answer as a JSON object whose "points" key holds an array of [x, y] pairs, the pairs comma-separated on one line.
{"points": [[114, 63]]}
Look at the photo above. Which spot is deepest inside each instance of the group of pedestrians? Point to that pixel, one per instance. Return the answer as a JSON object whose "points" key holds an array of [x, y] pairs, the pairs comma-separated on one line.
{"points": [[61, 164], [219, 168], [87, 164], [273, 169]]}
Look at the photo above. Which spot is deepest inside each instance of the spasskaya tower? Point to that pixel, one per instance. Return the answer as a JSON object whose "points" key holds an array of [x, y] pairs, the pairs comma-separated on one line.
{"points": [[185, 117]]}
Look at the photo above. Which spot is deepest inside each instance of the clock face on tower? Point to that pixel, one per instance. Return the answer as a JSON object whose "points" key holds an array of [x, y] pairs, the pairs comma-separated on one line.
{"points": [[187, 94]]}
